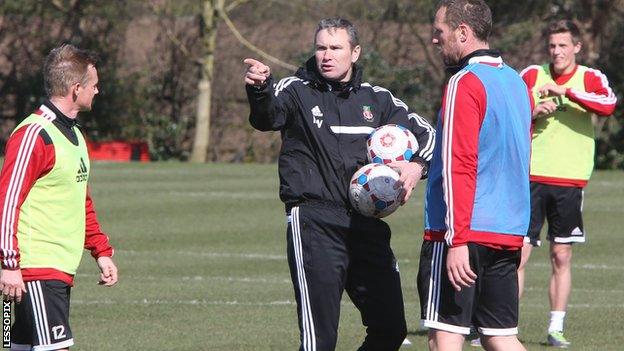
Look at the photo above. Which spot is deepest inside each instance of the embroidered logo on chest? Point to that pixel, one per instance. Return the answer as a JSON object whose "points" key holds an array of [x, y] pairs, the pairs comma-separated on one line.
{"points": [[317, 116], [367, 113]]}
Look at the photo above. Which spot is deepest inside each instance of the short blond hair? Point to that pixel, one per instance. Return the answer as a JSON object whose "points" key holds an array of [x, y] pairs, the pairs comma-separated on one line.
{"points": [[65, 66]]}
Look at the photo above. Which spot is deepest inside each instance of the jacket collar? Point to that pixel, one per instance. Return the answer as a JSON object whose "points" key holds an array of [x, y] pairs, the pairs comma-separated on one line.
{"points": [[60, 116], [481, 55]]}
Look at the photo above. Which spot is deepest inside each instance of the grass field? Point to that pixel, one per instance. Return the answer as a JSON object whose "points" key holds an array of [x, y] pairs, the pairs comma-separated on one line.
{"points": [[201, 252]]}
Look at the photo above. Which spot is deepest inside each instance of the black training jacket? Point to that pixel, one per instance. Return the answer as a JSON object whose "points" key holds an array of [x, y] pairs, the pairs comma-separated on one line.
{"points": [[324, 127]]}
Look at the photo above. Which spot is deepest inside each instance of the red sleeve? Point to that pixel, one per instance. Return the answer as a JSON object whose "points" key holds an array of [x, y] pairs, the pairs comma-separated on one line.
{"points": [[95, 240], [529, 76], [597, 97], [463, 110], [27, 157]]}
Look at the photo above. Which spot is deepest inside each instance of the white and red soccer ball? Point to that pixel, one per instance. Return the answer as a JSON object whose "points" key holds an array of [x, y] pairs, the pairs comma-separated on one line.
{"points": [[391, 143], [372, 192]]}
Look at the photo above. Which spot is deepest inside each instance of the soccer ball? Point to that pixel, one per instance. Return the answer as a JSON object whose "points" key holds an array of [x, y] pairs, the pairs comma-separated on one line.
{"points": [[372, 192], [391, 143]]}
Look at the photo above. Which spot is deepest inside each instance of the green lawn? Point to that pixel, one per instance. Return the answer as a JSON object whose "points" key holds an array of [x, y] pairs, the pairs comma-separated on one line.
{"points": [[201, 253]]}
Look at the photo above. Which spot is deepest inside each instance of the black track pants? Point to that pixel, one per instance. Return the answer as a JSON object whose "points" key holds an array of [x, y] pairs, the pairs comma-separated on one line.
{"points": [[330, 250]]}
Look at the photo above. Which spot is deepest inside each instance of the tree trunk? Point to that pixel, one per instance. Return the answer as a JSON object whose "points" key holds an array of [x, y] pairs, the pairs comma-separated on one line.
{"points": [[210, 17], [202, 122]]}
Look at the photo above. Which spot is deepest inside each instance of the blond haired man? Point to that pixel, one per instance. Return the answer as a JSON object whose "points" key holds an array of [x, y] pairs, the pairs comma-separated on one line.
{"points": [[47, 214]]}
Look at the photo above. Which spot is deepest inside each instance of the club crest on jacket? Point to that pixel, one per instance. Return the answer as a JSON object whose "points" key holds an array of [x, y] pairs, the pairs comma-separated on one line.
{"points": [[367, 113]]}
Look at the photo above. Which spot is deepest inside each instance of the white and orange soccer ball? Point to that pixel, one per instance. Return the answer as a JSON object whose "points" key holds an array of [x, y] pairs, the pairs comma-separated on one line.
{"points": [[372, 192], [391, 143]]}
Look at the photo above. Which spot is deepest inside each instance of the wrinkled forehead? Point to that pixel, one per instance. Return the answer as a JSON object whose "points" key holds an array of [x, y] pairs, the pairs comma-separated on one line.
{"points": [[332, 35]]}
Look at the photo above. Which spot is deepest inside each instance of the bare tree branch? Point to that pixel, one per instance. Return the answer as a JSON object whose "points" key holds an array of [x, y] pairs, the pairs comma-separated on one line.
{"points": [[252, 47], [60, 6], [235, 4], [72, 15], [174, 39], [304, 6], [180, 45], [619, 7]]}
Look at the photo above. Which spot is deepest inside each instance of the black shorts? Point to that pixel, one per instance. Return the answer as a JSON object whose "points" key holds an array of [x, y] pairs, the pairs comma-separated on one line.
{"points": [[562, 207], [42, 318], [490, 305]]}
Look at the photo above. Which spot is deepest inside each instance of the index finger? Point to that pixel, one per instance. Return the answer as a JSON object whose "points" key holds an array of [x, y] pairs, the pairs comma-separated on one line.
{"points": [[451, 272], [463, 277], [114, 275], [470, 273], [406, 196], [253, 62]]}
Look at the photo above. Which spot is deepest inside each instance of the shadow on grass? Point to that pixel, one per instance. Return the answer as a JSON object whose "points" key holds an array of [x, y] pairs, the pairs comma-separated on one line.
{"points": [[528, 343]]}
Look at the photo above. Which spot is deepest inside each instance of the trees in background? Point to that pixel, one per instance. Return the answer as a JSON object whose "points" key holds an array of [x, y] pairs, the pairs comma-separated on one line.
{"points": [[171, 71], [210, 14]]}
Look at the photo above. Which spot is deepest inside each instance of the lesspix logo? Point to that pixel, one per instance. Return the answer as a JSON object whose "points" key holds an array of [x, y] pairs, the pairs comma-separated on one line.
{"points": [[83, 174], [6, 324]]}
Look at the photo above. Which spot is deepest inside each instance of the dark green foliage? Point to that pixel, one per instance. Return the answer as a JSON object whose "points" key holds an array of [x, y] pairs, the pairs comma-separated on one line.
{"points": [[149, 82], [412, 84]]}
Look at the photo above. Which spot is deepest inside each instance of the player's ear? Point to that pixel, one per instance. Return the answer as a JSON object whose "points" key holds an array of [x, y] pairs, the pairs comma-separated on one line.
{"points": [[462, 33], [577, 47], [355, 53], [74, 90]]}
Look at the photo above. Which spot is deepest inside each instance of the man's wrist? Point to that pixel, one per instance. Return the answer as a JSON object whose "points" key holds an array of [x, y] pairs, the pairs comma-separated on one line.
{"points": [[11, 269], [264, 85], [259, 87]]}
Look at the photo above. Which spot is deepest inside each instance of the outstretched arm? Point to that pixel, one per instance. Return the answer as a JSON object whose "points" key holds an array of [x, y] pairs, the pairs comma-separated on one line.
{"points": [[270, 108]]}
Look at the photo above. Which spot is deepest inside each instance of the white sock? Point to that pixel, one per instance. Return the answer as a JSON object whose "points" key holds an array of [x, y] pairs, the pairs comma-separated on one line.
{"points": [[556, 321]]}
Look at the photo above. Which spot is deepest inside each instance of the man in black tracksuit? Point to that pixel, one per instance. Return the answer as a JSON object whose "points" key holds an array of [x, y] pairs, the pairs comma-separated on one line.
{"points": [[325, 114]]}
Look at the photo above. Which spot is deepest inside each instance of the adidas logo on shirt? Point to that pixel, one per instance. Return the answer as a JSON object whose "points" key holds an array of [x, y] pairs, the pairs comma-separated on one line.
{"points": [[83, 173]]}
